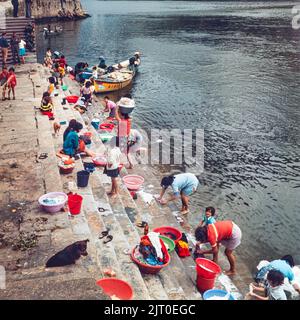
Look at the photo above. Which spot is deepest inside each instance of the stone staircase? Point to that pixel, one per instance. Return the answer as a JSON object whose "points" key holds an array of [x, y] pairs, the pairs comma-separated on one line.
{"points": [[177, 281], [10, 25]]}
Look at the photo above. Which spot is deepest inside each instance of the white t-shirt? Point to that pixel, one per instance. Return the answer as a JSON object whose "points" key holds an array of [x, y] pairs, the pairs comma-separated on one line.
{"points": [[22, 44], [276, 293], [114, 156]]}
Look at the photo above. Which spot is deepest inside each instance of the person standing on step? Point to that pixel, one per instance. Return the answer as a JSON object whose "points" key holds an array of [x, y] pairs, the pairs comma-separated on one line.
{"points": [[14, 45], [22, 50], [15, 4], [28, 4], [4, 45], [112, 166]]}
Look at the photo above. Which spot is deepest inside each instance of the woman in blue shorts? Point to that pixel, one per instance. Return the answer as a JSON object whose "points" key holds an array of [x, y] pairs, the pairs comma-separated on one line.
{"points": [[183, 185]]}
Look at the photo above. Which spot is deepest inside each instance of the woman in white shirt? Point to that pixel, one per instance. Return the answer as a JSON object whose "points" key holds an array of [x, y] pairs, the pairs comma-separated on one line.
{"points": [[22, 50], [112, 166], [135, 140]]}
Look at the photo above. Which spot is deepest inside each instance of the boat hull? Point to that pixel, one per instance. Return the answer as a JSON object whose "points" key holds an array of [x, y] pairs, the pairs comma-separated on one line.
{"points": [[103, 86]]}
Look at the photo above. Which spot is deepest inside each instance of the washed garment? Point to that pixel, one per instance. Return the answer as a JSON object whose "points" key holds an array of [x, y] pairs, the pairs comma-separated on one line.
{"points": [[155, 241]]}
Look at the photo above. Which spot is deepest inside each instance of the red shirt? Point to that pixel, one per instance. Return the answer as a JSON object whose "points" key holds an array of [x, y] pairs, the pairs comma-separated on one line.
{"points": [[12, 80], [62, 62], [218, 231], [4, 74]]}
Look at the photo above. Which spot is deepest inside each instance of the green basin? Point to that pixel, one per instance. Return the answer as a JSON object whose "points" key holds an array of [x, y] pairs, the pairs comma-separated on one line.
{"points": [[170, 244]]}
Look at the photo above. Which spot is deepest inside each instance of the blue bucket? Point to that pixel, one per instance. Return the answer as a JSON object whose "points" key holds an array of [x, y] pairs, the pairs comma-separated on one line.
{"points": [[95, 123], [215, 292]]}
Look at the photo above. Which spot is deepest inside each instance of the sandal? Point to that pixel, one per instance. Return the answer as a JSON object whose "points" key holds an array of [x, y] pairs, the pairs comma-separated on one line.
{"points": [[104, 233], [43, 156], [109, 238], [100, 209]]}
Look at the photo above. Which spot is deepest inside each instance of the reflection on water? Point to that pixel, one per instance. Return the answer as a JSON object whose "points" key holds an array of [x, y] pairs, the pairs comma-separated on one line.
{"points": [[231, 69]]}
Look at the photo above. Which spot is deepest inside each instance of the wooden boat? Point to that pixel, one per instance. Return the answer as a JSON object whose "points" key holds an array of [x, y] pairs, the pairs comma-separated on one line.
{"points": [[114, 81]]}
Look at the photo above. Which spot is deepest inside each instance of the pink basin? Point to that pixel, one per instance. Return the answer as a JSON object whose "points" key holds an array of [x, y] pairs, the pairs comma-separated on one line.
{"points": [[133, 182]]}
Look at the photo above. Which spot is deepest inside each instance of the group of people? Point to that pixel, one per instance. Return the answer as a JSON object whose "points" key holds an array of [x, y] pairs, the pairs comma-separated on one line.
{"points": [[17, 47], [8, 82], [28, 7]]}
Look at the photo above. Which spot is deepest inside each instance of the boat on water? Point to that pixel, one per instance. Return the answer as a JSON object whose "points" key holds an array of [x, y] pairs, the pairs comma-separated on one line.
{"points": [[113, 78], [57, 31]]}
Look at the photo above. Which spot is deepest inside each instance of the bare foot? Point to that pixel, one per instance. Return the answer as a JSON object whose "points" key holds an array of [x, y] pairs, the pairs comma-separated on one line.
{"points": [[184, 211], [230, 272]]}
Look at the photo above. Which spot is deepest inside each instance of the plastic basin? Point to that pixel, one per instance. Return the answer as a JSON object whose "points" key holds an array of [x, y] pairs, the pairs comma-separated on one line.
{"points": [[169, 243], [72, 99], [106, 137], [116, 287], [147, 268], [100, 161], [169, 232], [206, 268], [133, 182], [65, 87], [209, 294], [52, 208]]}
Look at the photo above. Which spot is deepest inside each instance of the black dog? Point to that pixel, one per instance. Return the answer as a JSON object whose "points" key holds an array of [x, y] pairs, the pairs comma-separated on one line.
{"points": [[68, 255]]}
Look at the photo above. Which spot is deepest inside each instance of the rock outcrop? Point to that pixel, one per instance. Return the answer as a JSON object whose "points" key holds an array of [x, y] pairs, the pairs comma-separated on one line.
{"points": [[68, 9], [54, 9]]}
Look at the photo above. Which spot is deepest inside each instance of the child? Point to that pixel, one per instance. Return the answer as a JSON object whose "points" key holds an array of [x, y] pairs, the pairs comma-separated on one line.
{"points": [[208, 218], [48, 59], [86, 92], [3, 79], [110, 107], [47, 106], [51, 86], [273, 289], [112, 167], [22, 50], [10, 84]]}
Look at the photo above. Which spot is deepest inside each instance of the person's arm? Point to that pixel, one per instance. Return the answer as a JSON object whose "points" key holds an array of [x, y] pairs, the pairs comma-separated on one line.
{"points": [[214, 250], [75, 141], [259, 297]]}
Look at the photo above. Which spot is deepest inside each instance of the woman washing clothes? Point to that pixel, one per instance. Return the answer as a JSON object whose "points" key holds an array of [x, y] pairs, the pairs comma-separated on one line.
{"points": [[183, 185], [226, 233], [73, 145], [86, 92], [135, 140]]}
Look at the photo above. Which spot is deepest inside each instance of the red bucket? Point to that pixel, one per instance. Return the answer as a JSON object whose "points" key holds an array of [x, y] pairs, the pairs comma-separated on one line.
{"points": [[207, 269], [74, 203], [204, 284]]}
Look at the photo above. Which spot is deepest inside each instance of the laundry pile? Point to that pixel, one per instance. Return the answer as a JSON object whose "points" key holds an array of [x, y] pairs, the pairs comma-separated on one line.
{"points": [[152, 250]]}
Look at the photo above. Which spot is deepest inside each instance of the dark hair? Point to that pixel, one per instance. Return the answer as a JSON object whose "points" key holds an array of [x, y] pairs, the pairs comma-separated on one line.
{"points": [[289, 259], [48, 49], [52, 80], [72, 124], [106, 97], [128, 95], [201, 234], [62, 56], [211, 210], [56, 65], [46, 94], [275, 277], [11, 69], [167, 181], [78, 126], [47, 99], [88, 84]]}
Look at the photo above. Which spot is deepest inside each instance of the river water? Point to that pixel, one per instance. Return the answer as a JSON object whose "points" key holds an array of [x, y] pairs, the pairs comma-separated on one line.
{"points": [[230, 68]]}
